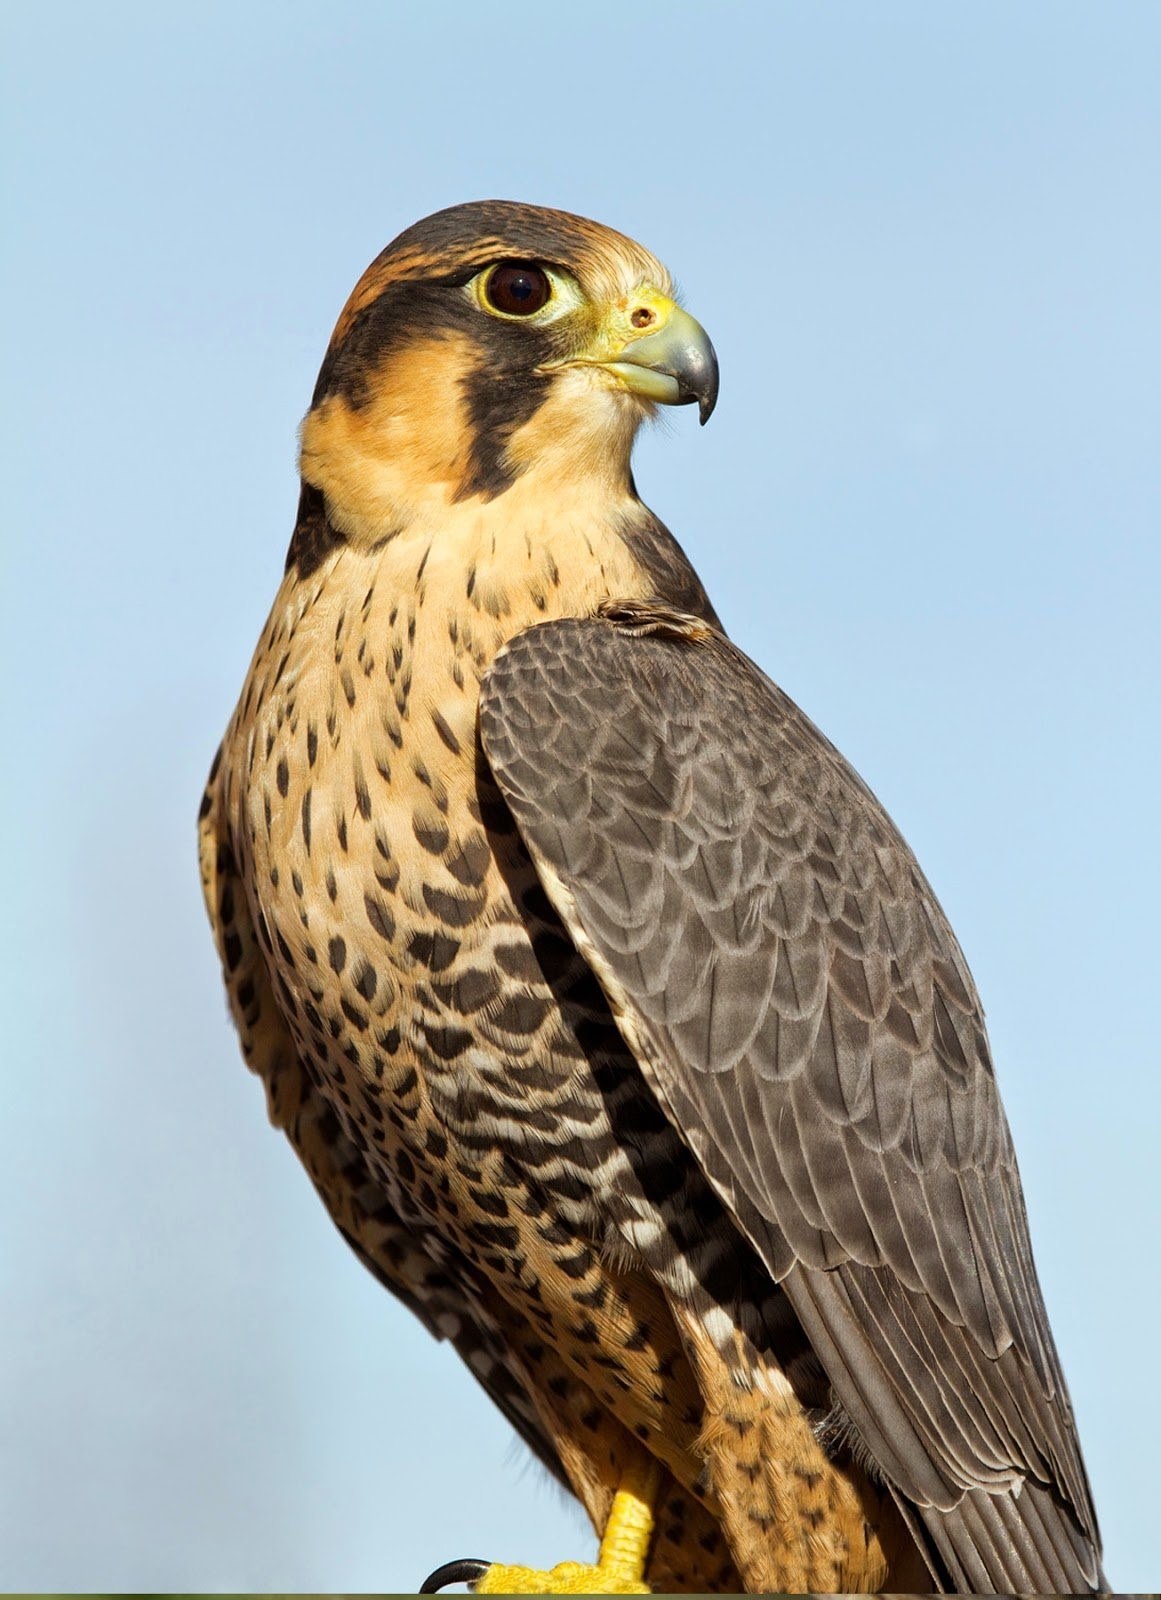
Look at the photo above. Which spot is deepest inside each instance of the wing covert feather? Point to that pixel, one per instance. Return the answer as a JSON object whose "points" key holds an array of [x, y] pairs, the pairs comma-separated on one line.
{"points": [[801, 1008]]}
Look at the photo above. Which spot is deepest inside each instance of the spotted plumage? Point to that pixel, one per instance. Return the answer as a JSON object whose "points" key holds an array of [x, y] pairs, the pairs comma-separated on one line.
{"points": [[609, 1015]]}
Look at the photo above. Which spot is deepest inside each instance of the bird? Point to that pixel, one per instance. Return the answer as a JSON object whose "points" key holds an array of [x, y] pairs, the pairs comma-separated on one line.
{"points": [[612, 1018]]}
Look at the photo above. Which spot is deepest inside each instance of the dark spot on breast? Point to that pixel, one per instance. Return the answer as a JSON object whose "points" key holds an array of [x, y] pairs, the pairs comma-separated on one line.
{"points": [[575, 1266], [306, 820], [357, 1018], [282, 776], [488, 1201], [518, 961], [433, 950], [445, 732], [366, 981], [452, 910], [556, 1231], [380, 917], [493, 1233], [446, 1041], [468, 992], [534, 1075], [522, 1014], [468, 864], [433, 836], [337, 954]]}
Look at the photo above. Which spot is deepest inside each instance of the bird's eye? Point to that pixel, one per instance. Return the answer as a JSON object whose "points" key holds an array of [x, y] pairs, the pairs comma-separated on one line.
{"points": [[517, 288]]}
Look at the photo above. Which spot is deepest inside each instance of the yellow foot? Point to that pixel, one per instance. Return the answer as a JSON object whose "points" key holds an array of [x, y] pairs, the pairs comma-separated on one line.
{"points": [[620, 1567], [567, 1577]]}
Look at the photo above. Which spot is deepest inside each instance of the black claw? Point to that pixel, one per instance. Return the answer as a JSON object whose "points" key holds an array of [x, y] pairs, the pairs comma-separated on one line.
{"points": [[466, 1570]]}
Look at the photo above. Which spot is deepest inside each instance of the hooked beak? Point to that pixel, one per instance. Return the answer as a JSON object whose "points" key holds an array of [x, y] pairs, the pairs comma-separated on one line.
{"points": [[673, 362]]}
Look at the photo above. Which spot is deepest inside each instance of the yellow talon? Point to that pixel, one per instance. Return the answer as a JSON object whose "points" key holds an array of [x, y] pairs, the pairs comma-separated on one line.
{"points": [[620, 1567], [567, 1577]]}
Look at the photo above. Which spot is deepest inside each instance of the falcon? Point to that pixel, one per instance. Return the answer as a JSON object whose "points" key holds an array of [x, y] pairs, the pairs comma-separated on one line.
{"points": [[613, 1020]]}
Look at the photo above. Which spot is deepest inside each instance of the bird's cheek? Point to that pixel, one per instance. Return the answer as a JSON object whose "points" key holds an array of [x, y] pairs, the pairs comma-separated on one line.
{"points": [[584, 428]]}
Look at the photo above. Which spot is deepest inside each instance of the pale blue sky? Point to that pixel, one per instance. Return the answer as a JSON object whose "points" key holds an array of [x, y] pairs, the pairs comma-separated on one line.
{"points": [[926, 241]]}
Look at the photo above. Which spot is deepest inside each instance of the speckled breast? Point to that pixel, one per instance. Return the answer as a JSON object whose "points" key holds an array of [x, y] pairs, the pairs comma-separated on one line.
{"points": [[431, 992]]}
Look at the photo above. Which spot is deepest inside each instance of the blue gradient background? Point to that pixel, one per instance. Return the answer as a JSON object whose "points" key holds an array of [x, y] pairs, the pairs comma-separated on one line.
{"points": [[926, 242]]}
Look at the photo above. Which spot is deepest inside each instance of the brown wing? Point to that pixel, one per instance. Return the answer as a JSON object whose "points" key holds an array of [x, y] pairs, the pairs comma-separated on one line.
{"points": [[798, 1002]]}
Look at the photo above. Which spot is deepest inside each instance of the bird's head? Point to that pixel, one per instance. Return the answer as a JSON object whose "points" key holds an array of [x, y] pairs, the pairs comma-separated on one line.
{"points": [[491, 345]]}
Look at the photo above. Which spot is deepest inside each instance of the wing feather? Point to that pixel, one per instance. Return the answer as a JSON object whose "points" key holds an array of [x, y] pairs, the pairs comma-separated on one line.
{"points": [[799, 1005]]}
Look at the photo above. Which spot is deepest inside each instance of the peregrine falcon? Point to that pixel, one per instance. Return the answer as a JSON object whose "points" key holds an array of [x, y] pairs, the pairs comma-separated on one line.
{"points": [[613, 1020]]}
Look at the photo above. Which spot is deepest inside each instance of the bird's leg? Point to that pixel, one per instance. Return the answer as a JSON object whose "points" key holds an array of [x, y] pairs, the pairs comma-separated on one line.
{"points": [[620, 1567], [629, 1530]]}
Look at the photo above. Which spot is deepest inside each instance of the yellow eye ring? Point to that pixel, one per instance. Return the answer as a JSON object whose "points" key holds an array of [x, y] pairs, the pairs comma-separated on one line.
{"points": [[516, 289]]}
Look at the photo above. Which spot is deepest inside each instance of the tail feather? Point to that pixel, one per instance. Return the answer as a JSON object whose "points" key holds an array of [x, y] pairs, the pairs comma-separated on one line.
{"points": [[1026, 1542]]}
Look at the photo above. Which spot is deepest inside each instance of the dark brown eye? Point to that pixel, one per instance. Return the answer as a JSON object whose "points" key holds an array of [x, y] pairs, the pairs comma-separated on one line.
{"points": [[517, 288]]}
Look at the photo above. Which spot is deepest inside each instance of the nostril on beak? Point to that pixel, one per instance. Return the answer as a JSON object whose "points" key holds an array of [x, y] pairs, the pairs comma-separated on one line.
{"points": [[642, 317]]}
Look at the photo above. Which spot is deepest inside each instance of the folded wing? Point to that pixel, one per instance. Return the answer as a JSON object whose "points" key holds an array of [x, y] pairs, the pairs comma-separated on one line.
{"points": [[798, 1003]]}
